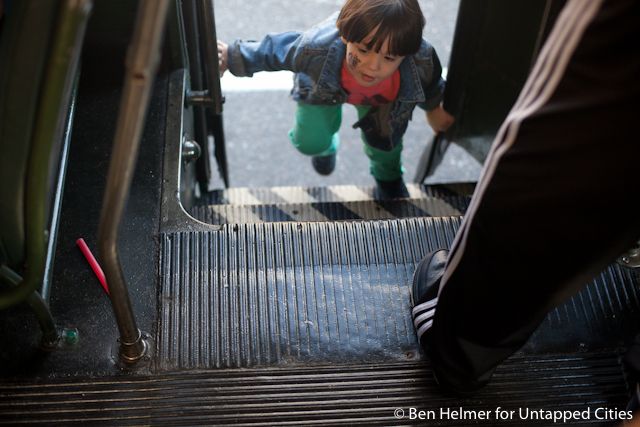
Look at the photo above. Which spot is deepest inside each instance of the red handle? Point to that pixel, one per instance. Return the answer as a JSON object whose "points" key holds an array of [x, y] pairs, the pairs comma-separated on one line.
{"points": [[93, 264]]}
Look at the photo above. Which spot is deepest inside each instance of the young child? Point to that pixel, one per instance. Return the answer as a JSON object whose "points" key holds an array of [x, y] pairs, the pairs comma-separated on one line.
{"points": [[371, 55]]}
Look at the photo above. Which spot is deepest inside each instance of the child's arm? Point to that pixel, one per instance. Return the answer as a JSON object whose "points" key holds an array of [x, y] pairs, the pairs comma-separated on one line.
{"points": [[274, 53], [439, 119], [433, 87]]}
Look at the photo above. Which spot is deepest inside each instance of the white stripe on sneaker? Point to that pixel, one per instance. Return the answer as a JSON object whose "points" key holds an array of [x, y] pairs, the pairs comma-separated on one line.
{"points": [[424, 306], [424, 316], [424, 328]]}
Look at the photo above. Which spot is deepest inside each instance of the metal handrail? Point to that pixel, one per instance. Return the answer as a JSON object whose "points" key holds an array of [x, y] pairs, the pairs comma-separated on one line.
{"points": [[141, 66]]}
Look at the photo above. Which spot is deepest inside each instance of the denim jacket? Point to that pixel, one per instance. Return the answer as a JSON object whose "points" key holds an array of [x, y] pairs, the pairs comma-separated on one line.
{"points": [[316, 56]]}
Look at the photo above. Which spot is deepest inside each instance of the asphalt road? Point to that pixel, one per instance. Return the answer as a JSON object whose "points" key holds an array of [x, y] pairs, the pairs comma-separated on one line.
{"points": [[258, 113]]}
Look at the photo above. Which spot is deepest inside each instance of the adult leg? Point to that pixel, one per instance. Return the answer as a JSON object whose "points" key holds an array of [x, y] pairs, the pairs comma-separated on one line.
{"points": [[557, 198]]}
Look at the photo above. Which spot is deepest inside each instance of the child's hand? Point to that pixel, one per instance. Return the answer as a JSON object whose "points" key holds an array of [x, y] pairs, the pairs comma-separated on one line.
{"points": [[439, 119], [223, 56]]}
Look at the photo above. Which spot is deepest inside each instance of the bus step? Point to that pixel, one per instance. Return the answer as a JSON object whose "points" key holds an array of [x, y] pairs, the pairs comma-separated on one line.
{"points": [[359, 394]]}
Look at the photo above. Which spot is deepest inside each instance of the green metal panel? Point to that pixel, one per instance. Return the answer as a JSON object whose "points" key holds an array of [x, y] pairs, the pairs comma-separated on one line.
{"points": [[38, 161], [23, 51]]}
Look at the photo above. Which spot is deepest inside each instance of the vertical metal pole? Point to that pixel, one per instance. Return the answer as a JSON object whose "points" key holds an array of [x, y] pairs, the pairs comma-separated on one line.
{"points": [[141, 65], [207, 29], [192, 47], [201, 43]]}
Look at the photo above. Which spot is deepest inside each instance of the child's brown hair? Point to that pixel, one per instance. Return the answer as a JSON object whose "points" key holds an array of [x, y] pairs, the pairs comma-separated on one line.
{"points": [[399, 21]]}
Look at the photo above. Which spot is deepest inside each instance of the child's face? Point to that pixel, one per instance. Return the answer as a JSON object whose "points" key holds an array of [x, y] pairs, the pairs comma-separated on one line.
{"points": [[367, 66]]}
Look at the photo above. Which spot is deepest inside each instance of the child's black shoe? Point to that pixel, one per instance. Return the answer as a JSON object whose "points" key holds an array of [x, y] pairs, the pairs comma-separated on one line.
{"points": [[324, 165], [395, 189], [424, 291]]}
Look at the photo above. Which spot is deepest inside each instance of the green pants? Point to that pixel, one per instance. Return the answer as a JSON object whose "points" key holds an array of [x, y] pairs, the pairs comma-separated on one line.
{"points": [[316, 134]]}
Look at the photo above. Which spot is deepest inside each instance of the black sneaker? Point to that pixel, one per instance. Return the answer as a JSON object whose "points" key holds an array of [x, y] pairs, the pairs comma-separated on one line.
{"points": [[395, 189], [427, 280], [424, 292], [324, 165]]}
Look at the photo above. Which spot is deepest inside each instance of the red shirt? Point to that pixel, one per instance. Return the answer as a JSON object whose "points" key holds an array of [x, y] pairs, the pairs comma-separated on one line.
{"points": [[382, 93]]}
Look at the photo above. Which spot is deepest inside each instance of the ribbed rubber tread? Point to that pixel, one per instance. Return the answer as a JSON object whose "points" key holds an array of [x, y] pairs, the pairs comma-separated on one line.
{"points": [[606, 312], [299, 293], [322, 395], [326, 211], [292, 293]]}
